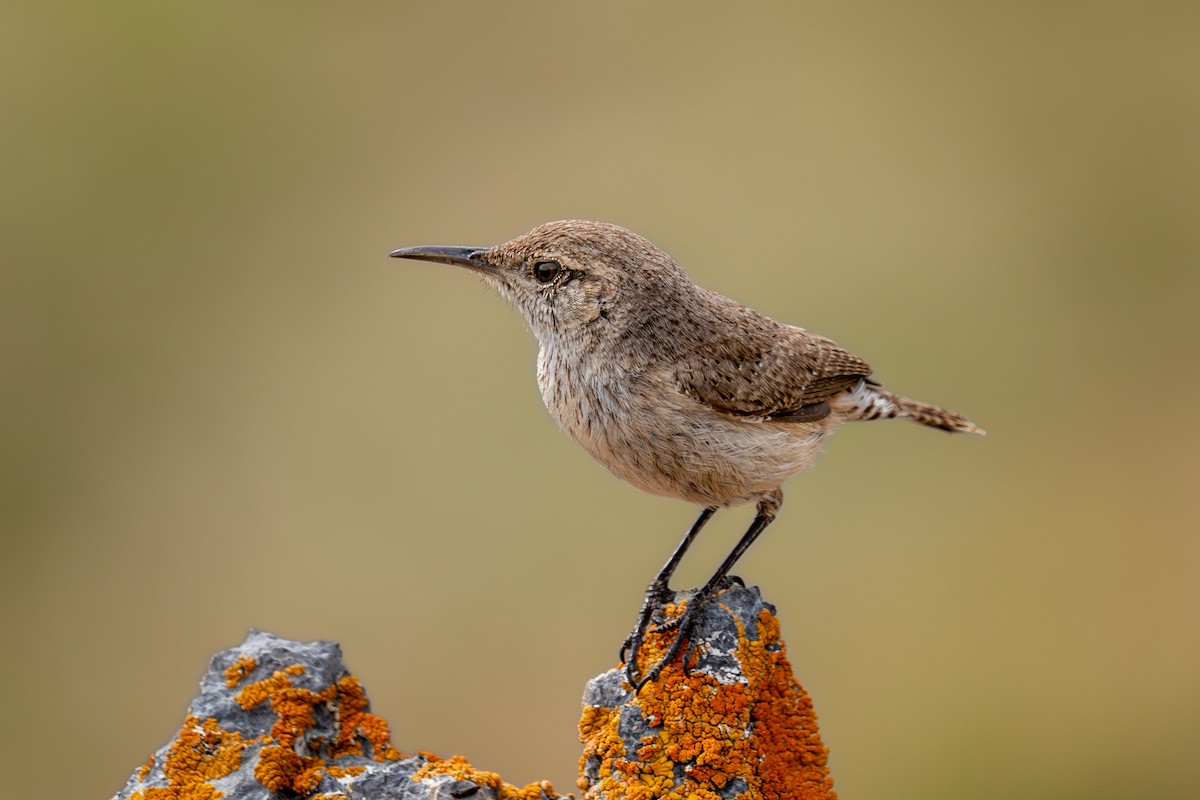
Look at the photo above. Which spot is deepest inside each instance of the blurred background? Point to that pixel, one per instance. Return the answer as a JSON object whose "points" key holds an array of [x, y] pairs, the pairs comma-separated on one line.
{"points": [[224, 407]]}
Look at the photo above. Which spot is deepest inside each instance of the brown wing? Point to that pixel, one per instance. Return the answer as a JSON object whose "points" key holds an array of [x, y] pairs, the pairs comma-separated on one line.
{"points": [[774, 370]]}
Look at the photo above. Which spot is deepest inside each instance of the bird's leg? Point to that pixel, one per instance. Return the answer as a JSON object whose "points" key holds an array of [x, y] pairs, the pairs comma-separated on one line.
{"points": [[656, 594], [683, 623], [756, 527]]}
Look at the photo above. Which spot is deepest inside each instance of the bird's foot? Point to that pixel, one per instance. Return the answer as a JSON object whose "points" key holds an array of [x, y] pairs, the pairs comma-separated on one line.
{"points": [[681, 625], [652, 607], [725, 583]]}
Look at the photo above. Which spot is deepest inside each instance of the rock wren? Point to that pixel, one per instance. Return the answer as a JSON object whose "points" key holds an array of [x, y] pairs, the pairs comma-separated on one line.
{"points": [[675, 389]]}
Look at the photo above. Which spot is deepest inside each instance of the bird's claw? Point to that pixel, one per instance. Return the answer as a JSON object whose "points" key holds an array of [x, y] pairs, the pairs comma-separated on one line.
{"points": [[681, 624], [652, 607]]}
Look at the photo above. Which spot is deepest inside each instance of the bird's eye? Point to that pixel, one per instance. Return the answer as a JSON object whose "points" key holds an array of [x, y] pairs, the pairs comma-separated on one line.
{"points": [[546, 271]]}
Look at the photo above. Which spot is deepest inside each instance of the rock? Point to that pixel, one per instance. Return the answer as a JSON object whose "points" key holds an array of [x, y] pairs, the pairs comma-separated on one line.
{"points": [[281, 718], [734, 724]]}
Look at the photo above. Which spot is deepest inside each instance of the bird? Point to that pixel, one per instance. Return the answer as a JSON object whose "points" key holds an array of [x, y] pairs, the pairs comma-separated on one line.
{"points": [[675, 389]]}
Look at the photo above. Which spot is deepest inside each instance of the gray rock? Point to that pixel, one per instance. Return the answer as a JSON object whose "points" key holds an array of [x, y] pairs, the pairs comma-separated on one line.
{"points": [[734, 725], [285, 721]]}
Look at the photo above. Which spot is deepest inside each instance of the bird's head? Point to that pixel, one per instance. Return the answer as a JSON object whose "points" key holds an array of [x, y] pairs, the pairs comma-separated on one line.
{"points": [[571, 278]]}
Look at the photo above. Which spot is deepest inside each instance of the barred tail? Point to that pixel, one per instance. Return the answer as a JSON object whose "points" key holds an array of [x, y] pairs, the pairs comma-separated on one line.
{"points": [[868, 401]]}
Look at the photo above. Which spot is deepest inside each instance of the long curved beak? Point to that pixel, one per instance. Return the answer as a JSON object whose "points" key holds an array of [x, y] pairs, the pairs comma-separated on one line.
{"points": [[469, 257]]}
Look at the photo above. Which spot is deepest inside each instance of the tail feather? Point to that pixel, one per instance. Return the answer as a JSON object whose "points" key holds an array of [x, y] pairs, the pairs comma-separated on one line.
{"points": [[868, 401]]}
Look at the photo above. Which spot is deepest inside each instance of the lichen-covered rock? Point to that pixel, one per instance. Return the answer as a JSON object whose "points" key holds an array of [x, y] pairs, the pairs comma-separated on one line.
{"points": [[732, 725], [281, 718], [277, 718]]}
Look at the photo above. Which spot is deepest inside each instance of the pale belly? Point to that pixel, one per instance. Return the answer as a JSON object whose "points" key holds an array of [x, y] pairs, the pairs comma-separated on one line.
{"points": [[665, 443]]}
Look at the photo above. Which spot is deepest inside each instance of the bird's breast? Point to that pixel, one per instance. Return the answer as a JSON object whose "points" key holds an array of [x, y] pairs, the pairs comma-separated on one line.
{"points": [[638, 425], [597, 407]]}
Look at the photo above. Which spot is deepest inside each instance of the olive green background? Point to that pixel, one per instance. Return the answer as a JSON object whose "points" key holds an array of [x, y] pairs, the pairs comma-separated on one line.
{"points": [[224, 407]]}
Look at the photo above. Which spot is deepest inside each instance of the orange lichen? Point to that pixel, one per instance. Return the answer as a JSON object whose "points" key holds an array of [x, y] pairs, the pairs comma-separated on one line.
{"points": [[794, 760], [594, 720], [279, 766], [201, 753], [239, 670], [458, 768], [293, 705], [354, 721], [280, 769], [762, 733], [144, 769], [204, 752]]}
